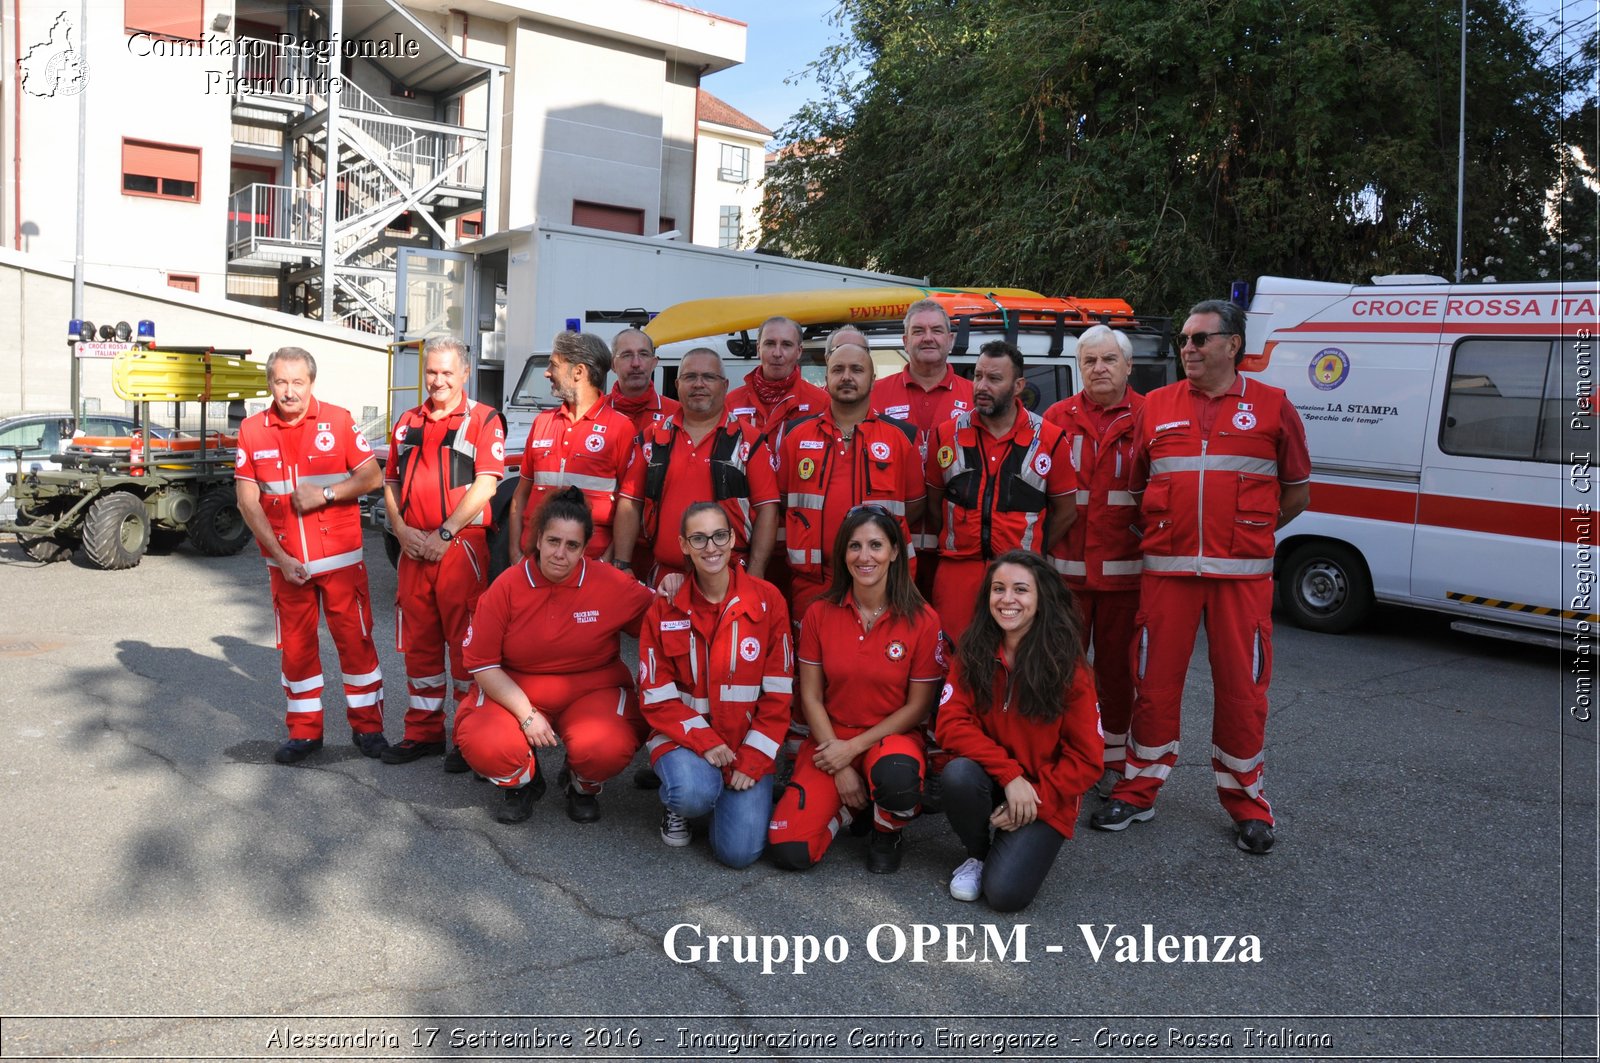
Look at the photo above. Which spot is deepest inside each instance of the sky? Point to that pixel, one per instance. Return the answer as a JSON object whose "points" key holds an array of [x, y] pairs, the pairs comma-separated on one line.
{"points": [[786, 35]]}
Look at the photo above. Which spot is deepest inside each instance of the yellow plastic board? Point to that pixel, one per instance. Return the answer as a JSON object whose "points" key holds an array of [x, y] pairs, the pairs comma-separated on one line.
{"points": [[718, 317], [168, 376]]}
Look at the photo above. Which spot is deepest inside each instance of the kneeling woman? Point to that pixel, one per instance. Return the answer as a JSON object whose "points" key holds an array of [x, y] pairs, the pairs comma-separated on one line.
{"points": [[544, 650], [870, 665], [715, 676], [1020, 719]]}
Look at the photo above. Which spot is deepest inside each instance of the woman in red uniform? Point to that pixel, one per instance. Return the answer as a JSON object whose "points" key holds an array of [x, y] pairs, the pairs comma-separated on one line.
{"points": [[544, 650], [1020, 719], [870, 664], [715, 676]]}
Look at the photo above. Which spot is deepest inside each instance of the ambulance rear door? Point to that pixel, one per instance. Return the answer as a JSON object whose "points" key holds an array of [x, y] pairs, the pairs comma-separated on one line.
{"points": [[1489, 518]]}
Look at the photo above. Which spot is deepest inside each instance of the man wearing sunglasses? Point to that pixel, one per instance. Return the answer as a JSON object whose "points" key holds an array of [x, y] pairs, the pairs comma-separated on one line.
{"points": [[1220, 463], [699, 454]]}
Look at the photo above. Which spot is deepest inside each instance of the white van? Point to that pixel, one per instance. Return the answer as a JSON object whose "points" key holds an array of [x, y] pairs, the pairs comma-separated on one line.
{"points": [[1452, 433]]}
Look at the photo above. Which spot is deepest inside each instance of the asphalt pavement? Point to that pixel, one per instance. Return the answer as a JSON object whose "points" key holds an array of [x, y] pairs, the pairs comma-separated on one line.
{"points": [[169, 892]]}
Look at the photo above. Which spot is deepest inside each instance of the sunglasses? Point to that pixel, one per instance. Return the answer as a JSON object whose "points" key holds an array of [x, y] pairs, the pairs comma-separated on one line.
{"points": [[1199, 339], [700, 540], [869, 507]]}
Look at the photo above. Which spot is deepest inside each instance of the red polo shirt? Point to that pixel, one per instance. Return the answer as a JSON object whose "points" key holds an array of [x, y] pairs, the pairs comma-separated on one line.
{"points": [[530, 626], [901, 396], [597, 452], [867, 675]]}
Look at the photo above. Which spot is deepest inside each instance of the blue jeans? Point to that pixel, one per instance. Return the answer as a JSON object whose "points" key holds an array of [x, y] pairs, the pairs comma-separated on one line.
{"points": [[691, 787]]}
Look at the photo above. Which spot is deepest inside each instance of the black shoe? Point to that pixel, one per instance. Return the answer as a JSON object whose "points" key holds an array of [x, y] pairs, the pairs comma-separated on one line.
{"points": [[883, 852], [407, 750], [371, 743], [455, 763], [582, 807], [1254, 836], [1116, 815], [295, 750], [646, 779], [519, 802]]}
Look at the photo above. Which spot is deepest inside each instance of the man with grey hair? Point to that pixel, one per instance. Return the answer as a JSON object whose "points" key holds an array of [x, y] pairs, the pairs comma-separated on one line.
{"points": [[301, 470], [1220, 463], [586, 444], [446, 458], [1100, 556], [775, 391], [927, 393]]}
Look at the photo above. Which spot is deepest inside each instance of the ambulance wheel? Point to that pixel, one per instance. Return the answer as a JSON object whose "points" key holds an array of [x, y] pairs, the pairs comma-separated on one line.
{"points": [[1325, 587], [217, 528], [116, 531]]}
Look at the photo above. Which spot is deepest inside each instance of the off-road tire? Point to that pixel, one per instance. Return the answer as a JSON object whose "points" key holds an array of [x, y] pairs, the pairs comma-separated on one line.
{"points": [[45, 550], [217, 528], [116, 531]]}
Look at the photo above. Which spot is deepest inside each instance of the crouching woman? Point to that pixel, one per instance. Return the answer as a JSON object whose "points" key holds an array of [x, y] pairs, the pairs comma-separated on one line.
{"points": [[1020, 719]]}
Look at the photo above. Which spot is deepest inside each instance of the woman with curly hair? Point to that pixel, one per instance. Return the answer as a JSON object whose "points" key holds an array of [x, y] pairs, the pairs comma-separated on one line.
{"points": [[1020, 719]]}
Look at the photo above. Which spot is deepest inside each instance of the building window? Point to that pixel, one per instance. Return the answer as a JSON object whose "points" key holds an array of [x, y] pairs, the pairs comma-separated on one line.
{"points": [[728, 227], [176, 19], [735, 164], [603, 216], [160, 170], [469, 226], [189, 282], [666, 224]]}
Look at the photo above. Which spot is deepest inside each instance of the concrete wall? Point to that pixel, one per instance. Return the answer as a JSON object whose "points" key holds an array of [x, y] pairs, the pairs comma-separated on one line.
{"points": [[37, 297]]}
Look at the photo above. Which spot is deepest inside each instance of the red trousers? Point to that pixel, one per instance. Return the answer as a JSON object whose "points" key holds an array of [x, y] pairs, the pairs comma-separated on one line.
{"points": [[810, 812], [955, 595], [432, 612], [1237, 614], [595, 714], [1109, 621], [341, 596]]}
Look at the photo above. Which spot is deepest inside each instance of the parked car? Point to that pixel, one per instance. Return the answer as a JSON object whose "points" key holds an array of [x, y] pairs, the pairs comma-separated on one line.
{"points": [[38, 435]]}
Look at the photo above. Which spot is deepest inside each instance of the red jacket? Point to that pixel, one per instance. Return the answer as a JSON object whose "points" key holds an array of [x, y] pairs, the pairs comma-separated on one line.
{"points": [[1101, 550], [715, 674], [805, 400], [884, 469], [1210, 505], [473, 445], [1061, 758], [597, 453], [324, 448], [997, 492]]}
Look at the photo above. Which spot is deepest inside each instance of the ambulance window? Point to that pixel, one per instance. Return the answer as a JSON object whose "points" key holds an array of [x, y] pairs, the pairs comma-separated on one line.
{"points": [[1496, 396], [1568, 401]]}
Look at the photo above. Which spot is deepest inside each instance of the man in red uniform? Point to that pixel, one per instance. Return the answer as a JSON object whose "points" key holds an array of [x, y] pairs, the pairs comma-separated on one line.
{"points": [[927, 392], [301, 470], [698, 454], [634, 395], [833, 461], [1220, 462], [1100, 555], [446, 458], [585, 444], [999, 479], [775, 392]]}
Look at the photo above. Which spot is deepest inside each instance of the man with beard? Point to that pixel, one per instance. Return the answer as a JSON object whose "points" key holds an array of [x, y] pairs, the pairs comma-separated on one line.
{"points": [[838, 459], [999, 478], [586, 444], [699, 454]]}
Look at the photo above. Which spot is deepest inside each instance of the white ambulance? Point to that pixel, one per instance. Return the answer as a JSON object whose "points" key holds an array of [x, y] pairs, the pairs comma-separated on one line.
{"points": [[1452, 436]]}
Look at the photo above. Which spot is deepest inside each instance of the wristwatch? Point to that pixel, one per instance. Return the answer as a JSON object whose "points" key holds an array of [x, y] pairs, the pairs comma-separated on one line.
{"points": [[327, 495], [445, 533], [622, 563]]}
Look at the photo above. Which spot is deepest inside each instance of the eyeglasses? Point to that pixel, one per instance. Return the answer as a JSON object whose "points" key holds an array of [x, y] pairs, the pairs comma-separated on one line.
{"points": [[700, 540], [700, 378], [1199, 339]]}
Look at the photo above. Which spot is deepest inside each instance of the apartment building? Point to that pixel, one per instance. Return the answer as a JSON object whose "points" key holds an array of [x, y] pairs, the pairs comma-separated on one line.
{"points": [[732, 160]]}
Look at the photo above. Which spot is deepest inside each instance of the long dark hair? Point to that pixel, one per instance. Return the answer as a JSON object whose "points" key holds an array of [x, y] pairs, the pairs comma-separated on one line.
{"points": [[901, 593], [565, 504], [1049, 654]]}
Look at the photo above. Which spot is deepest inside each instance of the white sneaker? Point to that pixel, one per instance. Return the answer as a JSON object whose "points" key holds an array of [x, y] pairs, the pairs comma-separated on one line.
{"points": [[967, 882], [674, 829]]}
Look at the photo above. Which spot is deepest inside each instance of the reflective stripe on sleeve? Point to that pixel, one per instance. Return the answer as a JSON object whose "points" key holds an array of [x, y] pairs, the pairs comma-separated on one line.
{"points": [[761, 743]]}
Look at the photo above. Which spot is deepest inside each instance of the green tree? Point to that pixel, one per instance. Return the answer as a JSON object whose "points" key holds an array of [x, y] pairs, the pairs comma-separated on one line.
{"points": [[1157, 149]]}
